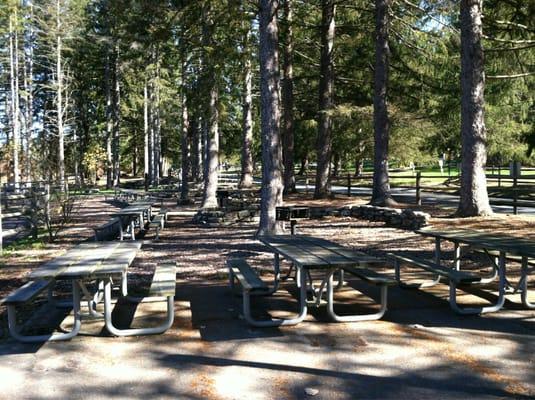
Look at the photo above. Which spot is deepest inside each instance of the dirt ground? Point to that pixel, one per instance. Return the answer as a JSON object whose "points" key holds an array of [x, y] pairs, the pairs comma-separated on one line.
{"points": [[420, 349]]}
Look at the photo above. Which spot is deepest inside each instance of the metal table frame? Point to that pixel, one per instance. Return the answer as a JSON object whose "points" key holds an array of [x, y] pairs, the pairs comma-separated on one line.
{"points": [[296, 248]]}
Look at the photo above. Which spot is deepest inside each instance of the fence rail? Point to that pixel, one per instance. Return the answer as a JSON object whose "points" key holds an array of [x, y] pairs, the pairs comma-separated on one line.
{"points": [[418, 187]]}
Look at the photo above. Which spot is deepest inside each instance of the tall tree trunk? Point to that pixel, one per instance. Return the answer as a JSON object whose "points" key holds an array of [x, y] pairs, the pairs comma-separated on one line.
{"points": [[146, 144], [152, 133], [381, 194], [303, 169], [28, 87], [212, 150], [59, 99], [15, 108], [185, 151], [324, 140], [288, 103], [157, 127], [204, 146], [196, 149], [109, 119], [359, 166], [473, 193], [116, 118], [211, 165], [272, 186], [246, 179], [336, 163]]}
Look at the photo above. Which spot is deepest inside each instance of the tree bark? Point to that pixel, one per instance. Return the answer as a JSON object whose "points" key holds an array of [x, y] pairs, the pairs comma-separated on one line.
{"points": [[246, 179], [28, 87], [272, 186], [359, 166], [15, 108], [324, 140], [59, 99], [146, 147], [304, 166], [196, 149], [116, 118], [212, 150], [473, 192], [211, 164], [184, 142], [336, 164], [381, 194], [288, 103], [109, 119]]}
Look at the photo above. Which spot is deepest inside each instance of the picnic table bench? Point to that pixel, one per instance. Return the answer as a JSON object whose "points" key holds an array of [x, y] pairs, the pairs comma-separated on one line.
{"points": [[158, 222], [455, 279]]}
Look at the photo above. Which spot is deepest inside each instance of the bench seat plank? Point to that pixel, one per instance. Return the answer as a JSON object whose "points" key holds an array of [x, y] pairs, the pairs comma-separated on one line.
{"points": [[370, 276], [163, 281], [27, 292], [460, 277], [246, 275]]}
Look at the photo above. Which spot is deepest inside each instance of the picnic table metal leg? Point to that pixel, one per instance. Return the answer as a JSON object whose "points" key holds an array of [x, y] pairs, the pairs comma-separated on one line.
{"points": [[425, 284], [135, 331], [353, 318], [486, 309], [279, 321], [494, 261], [457, 256], [524, 284], [132, 230], [92, 300], [340, 282], [14, 329]]}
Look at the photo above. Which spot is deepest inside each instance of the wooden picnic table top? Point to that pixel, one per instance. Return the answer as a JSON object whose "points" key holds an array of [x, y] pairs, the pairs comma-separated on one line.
{"points": [[495, 241], [89, 260], [316, 253], [133, 209]]}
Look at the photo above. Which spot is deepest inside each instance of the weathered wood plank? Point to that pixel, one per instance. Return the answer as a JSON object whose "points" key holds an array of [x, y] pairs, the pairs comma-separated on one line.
{"points": [[27, 292], [246, 275], [163, 281], [354, 256], [371, 276]]}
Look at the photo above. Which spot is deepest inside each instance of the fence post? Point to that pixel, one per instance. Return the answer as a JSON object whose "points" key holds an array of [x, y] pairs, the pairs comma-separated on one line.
{"points": [[515, 195], [348, 184], [306, 182], [499, 176], [418, 188]]}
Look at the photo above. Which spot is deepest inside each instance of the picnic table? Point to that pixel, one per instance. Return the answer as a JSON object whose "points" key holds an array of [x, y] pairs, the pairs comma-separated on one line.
{"points": [[311, 253], [139, 211], [507, 247], [98, 262]]}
